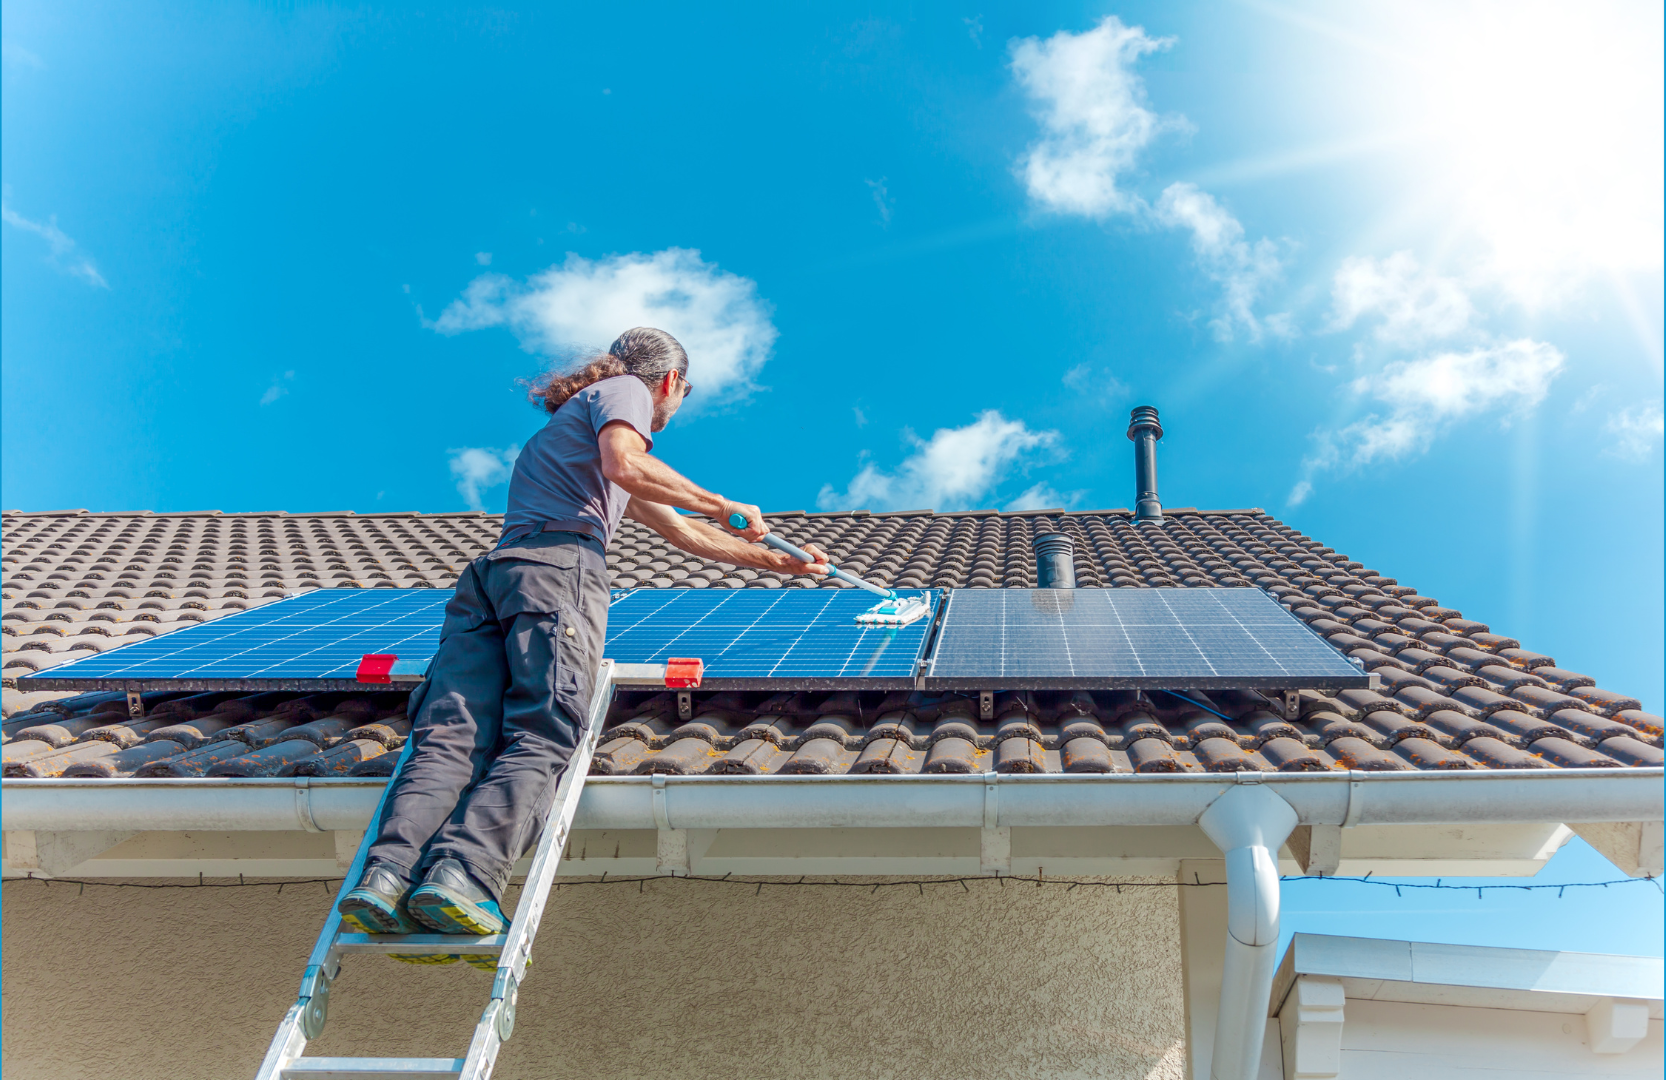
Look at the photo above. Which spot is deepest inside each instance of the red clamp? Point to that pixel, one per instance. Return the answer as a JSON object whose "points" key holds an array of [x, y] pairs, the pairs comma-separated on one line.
{"points": [[683, 673], [376, 667]]}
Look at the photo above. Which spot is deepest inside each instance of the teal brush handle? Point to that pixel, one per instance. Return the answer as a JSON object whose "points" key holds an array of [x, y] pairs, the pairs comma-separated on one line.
{"points": [[739, 522]]}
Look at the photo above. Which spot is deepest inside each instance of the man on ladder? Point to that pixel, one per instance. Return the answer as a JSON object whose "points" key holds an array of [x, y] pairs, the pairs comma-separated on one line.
{"points": [[503, 705]]}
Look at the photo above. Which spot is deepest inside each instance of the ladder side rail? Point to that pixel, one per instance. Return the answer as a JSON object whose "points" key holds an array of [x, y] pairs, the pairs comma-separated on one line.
{"points": [[498, 1020], [529, 912], [324, 961]]}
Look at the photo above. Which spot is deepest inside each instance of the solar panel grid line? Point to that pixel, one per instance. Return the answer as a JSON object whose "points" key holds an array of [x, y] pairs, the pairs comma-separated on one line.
{"points": [[1130, 638], [1202, 656], [180, 648], [277, 644], [308, 640], [783, 638], [307, 631], [758, 619], [1272, 656], [1127, 638], [672, 599]]}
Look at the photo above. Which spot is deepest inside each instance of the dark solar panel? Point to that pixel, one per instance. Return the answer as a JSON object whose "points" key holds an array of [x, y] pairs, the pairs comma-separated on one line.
{"points": [[1106, 638], [786, 638], [311, 641]]}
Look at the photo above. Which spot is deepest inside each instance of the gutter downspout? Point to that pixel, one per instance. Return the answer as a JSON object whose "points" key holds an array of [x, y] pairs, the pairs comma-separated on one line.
{"points": [[1249, 824]]}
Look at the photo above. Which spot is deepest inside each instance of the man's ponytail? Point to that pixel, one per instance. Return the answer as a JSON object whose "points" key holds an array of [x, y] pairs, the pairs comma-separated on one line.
{"points": [[647, 353]]}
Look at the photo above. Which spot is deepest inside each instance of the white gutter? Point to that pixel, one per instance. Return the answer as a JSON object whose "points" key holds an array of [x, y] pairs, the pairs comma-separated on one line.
{"points": [[786, 802]]}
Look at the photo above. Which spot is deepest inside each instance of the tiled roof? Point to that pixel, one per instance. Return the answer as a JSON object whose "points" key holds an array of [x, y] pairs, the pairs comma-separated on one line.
{"points": [[1454, 695]]}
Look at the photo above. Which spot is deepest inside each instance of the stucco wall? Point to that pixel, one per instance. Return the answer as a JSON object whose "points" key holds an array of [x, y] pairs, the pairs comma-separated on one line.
{"points": [[683, 979]]}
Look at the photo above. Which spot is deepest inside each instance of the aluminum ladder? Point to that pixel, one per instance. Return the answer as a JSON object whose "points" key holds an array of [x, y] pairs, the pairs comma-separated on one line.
{"points": [[305, 1019]]}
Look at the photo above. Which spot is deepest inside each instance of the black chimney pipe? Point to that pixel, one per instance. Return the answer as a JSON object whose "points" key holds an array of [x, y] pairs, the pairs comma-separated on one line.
{"points": [[1144, 431], [1055, 561]]}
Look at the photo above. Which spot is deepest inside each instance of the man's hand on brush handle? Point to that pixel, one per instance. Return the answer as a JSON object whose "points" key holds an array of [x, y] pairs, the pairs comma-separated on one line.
{"points": [[656, 488], [748, 521]]}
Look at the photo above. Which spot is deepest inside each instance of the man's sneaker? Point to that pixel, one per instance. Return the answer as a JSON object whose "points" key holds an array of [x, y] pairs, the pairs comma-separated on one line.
{"points": [[377, 906], [450, 902]]}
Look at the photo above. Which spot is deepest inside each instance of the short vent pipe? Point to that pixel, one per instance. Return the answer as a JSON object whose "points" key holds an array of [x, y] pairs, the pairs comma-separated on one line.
{"points": [[1055, 561], [1249, 823], [1144, 431]]}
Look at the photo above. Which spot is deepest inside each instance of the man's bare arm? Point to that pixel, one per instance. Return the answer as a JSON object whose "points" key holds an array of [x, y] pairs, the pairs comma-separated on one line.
{"points": [[698, 538], [626, 462]]}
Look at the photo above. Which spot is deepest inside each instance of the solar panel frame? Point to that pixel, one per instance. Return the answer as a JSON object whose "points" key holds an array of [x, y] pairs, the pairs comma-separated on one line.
{"points": [[310, 641], [1102, 639]]}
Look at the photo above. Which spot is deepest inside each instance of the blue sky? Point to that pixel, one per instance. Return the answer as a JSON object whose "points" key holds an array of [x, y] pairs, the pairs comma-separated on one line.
{"points": [[1391, 272]]}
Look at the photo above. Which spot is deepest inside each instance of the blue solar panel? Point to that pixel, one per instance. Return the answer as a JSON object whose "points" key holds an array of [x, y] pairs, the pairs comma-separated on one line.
{"points": [[751, 637], [1105, 638], [315, 639], [790, 638]]}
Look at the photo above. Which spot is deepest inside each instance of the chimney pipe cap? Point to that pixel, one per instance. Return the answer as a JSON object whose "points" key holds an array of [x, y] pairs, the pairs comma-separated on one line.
{"points": [[1144, 419]]}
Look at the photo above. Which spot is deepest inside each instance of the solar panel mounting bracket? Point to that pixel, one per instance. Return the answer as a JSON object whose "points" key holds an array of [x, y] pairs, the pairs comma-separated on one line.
{"points": [[388, 668], [683, 671]]}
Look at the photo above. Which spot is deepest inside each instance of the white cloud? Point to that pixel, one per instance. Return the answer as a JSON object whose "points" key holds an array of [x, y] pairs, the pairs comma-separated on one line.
{"points": [[484, 258], [278, 388], [946, 472], [1100, 383], [65, 255], [1424, 395], [1411, 304], [18, 55], [1042, 496], [881, 199], [974, 28], [479, 467], [1242, 269], [1299, 493], [1636, 431], [1092, 111], [1095, 123], [583, 303]]}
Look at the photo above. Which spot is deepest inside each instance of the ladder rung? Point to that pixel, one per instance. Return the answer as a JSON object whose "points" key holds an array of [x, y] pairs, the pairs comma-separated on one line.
{"points": [[344, 1068], [420, 944]]}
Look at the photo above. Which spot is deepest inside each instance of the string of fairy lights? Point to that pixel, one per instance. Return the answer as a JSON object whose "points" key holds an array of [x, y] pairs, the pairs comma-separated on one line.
{"points": [[1039, 881]]}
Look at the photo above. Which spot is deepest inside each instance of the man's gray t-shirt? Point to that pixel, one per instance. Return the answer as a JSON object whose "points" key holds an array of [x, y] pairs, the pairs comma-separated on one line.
{"points": [[558, 481]]}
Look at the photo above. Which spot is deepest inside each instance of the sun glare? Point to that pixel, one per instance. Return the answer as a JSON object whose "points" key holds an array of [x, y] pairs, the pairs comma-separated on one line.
{"points": [[1539, 124]]}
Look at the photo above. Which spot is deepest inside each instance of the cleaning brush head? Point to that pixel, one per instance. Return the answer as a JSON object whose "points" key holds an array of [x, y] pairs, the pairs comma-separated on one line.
{"points": [[896, 610]]}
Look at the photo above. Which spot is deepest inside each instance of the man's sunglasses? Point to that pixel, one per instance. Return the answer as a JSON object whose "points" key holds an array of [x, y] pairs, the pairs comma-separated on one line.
{"points": [[688, 387]]}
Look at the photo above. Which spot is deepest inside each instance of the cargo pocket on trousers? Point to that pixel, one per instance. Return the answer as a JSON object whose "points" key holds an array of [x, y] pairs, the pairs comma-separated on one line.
{"points": [[572, 674]]}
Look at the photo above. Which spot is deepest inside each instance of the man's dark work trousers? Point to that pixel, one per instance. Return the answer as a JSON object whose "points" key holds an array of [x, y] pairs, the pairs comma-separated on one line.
{"points": [[500, 713]]}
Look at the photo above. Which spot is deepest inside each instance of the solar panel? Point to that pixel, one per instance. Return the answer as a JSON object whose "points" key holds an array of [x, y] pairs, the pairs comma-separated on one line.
{"points": [[791, 638], [311, 641], [779, 638], [1110, 638]]}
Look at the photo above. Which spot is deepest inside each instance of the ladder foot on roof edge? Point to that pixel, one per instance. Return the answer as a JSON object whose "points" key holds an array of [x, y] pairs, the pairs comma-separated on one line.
{"points": [[306, 1017]]}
